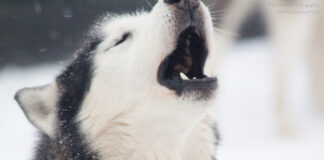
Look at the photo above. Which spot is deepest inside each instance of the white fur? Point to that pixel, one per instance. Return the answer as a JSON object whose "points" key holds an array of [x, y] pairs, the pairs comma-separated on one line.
{"points": [[39, 105], [127, 114]]}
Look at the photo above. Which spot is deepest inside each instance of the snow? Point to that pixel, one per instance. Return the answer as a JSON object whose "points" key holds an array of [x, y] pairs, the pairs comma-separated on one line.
{"points": [[244, 108], [17, 135]]}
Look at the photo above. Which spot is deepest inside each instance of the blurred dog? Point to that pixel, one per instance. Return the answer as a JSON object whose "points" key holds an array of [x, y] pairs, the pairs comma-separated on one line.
{"points": [[294, 27], [137, 90]]}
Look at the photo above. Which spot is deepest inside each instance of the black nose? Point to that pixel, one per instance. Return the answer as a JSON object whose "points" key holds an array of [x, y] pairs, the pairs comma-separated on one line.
{"points": [[171, 1], [184, 4]]}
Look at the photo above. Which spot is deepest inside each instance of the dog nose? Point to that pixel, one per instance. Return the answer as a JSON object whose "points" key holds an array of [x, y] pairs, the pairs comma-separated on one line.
{"points": [[171, 1], [184, 4]]}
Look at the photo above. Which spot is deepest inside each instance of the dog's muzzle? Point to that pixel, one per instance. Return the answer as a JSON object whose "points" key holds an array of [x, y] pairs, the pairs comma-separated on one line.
{"points": [[186, 5], [183, 69]]}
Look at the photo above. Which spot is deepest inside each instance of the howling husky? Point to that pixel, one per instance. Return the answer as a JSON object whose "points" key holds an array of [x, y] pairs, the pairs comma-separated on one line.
{"points": [[140, 88]]}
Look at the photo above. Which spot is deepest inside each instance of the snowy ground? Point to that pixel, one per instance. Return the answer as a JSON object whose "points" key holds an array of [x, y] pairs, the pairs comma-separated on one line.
{"points": [[245, 109]]}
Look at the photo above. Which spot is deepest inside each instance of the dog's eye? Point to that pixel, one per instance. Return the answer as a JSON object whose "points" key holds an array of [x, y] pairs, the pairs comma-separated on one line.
{"points": [[124, 38]]}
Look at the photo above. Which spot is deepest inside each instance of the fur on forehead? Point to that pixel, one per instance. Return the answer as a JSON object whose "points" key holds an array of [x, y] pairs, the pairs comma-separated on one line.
{"points": [[111, 23]]}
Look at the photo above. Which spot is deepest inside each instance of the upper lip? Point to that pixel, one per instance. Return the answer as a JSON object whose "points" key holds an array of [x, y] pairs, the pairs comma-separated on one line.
{"points": [[182, 70]]}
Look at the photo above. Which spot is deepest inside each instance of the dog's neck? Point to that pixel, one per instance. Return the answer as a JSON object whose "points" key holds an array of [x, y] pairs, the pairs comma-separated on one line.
{"points": [[139, 134], [148, 141], [155, 129]]}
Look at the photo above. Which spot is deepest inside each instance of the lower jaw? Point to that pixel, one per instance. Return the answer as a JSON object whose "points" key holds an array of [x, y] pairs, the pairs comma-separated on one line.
{"points": [[200, 89]]}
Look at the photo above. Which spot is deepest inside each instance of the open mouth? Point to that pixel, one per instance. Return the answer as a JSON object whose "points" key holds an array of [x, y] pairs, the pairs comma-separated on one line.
{"points": [[182, 70]]}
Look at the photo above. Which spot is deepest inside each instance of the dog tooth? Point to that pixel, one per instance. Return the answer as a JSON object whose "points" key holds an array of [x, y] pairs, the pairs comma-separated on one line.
{"points": [[183, 76], [208, 74], [194, 78]]}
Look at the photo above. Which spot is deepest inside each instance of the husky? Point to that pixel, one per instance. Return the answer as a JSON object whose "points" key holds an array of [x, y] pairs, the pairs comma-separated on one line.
{"points": [[281, 18], [138, 89]]}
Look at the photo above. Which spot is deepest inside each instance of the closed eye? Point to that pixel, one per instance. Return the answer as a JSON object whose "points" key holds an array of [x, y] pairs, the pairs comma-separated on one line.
{"points": [[124, 38]]}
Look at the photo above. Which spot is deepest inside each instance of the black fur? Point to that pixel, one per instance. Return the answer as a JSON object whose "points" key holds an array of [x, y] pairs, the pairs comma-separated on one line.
{"points": [[73, 85], [216, 134], [47, 149], [217, 137]]}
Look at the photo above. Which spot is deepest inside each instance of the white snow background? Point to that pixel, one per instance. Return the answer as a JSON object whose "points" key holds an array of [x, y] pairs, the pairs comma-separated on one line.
{"points": [[245, 109]]}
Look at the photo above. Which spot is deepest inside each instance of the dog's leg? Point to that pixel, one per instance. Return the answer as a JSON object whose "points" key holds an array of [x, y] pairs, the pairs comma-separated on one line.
{"points": [[316, 57], [228, 17], [289, 32]]}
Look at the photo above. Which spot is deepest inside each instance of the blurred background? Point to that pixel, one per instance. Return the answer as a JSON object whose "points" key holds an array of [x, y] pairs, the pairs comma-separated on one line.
{"points": [[41, 31], [270, 55]]}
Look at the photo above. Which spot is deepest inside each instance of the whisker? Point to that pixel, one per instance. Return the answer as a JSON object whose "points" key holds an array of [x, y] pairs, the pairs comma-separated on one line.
{"points": [[219, 37], [223, 10], [226, 32], [218, 14], [210, 6], [219, 24], [219, 18]]}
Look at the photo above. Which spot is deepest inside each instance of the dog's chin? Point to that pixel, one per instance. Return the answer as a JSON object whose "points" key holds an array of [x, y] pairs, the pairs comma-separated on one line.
{"points": [[183, 70]]}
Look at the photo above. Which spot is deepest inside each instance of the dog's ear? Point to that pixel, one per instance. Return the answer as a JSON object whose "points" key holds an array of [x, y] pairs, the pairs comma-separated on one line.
{"points": [[39, 105]]}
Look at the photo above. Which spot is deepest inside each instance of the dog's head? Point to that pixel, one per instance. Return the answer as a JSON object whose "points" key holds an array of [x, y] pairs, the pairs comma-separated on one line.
{"points": [[142, 66], [162, 52]]}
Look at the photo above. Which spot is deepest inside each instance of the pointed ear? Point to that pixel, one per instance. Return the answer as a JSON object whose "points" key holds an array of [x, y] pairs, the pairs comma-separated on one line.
{"points": [[39, 105]]}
